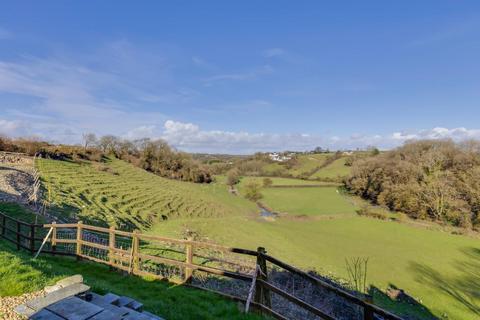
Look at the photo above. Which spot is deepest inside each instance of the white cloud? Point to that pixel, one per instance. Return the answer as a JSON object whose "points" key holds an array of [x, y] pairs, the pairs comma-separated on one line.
{"points": [[190, 137], [9, 127]]}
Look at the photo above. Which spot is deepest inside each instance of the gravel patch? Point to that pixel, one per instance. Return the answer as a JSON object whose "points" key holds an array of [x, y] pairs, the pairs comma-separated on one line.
{"points": [[8, 304]]}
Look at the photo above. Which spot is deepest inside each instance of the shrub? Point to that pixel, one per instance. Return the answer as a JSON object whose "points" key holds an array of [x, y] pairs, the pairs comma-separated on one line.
{"points": [[267, 182], [439, 180], [252, 191]]}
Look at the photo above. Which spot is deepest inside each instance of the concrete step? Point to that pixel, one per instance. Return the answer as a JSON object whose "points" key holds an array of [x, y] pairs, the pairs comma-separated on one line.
{"points": [[55, 296], [108, 314], [124, 301], [135, 305], [111, 298], [74, 308], [45, 315]]}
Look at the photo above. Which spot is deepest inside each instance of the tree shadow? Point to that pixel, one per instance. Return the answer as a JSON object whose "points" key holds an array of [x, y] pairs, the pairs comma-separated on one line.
{"points": [[465, 288], [402, 304]]}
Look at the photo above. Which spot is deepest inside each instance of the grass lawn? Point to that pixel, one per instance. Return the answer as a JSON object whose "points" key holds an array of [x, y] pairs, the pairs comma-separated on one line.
{"points": [[19, 273], [307, 201], [438, 269]]}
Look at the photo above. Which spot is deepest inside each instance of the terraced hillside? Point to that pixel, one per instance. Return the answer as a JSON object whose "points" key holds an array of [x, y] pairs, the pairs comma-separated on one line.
{"points": [[116, 193]]}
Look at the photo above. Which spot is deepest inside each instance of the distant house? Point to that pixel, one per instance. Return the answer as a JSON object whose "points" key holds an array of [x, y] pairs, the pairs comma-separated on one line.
{"points": [[275, 156]]}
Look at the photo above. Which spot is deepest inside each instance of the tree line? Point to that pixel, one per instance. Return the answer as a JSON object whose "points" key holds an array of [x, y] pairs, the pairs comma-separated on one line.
{"points": [[428, 179], [154, 155]]}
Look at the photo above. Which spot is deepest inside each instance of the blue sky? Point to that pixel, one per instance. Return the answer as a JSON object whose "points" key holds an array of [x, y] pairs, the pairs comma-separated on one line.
{"points": [[224, 76]]}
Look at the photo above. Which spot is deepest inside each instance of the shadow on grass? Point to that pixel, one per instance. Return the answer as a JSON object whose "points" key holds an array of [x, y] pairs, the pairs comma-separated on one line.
{"points": [[405, 306], [159, 297], [465, 288]]}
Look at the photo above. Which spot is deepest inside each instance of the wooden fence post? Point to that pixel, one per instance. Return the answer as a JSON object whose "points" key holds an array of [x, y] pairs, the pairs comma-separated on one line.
{"points": [[135, 248], [189, 260], [32, 238], [368, 313], [54, 237], [262, 295], [111, 246], [18, 235], [79, 240]]}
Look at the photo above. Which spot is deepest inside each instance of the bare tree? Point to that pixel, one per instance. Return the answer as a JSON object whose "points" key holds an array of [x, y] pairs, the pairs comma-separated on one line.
{"points": [[88, 140]]}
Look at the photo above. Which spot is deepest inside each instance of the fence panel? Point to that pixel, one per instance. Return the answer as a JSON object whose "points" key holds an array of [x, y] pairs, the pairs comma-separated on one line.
{"points": [[281, 291]]}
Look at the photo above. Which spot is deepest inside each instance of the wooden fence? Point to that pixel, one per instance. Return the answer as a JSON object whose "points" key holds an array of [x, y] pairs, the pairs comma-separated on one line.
{"points": [[133, 253]]}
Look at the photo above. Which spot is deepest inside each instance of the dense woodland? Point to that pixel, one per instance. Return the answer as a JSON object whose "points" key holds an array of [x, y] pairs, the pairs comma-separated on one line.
{"points": [[438, 180], [152, 155]]}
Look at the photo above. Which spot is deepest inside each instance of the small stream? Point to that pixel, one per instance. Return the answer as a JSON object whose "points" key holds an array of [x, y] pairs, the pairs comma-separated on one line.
{"points": [[265, 213]]}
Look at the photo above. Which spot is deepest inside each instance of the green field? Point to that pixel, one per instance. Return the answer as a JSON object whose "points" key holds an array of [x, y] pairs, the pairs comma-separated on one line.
{"points": [[436, 268], [308, 164], [276, 181], [116, 193], [334, 170], [307, 201], [311, 166]]}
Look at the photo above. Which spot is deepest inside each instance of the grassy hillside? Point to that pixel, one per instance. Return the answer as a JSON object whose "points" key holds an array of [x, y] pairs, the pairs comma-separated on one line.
{"points": [[118, 193], [436, 268], [336, 169], [311, 166]]}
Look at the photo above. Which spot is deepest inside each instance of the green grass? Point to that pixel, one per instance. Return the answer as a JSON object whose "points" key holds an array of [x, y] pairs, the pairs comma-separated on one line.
{"points": [[19, 273], [307, 201], [334, 170], [116, 193], [308, 163], [310, 166], [277, 181], [18, 212], [438, 269]]}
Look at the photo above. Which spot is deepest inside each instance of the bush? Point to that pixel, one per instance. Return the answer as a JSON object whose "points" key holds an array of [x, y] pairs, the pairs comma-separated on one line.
{"points": [[267, 182], [252, 192], [438, 180], [233, 177]]}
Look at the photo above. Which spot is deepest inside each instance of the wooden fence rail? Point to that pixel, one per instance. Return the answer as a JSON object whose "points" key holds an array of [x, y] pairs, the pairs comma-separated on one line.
{"points": [[100, 245]]}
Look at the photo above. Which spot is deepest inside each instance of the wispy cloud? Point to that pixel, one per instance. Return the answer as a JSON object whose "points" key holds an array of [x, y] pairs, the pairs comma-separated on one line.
{"points": [[247, 75], [69, 99]]}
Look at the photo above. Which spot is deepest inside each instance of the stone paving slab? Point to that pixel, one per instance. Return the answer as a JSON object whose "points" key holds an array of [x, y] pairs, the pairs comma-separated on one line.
{"points": [[55, 296], [74, 308], [45, 315]]}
